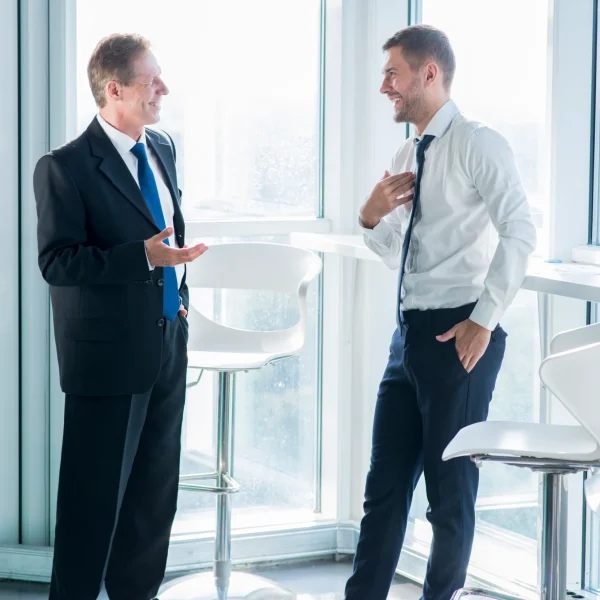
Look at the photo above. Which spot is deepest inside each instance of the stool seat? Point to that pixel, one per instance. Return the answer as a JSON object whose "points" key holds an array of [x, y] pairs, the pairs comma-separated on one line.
{"points": [[232, 361], [532, 440], [216, 347]]}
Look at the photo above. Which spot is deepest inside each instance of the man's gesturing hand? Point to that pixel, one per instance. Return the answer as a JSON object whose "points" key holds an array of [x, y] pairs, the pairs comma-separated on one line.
{"points": [[471, 342], [161, 255], [388, 194]]}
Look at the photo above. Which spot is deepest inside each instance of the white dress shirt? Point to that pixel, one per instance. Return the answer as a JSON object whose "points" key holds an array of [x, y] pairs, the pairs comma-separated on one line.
{"points": [[123, 143], [470, 182]]}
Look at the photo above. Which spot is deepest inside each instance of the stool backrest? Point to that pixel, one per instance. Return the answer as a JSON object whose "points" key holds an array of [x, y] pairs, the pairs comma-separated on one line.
{"points": [[573, 377], [254, 266], [575, 338]]}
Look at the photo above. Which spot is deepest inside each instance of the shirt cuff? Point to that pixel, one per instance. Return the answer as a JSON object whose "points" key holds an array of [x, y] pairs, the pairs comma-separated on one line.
{"points": [[381, 234], [486, 314], [150, 267]]}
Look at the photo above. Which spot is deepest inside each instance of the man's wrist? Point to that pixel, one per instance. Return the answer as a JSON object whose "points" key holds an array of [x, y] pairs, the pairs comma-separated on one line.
{"points": [[368, 221], [479, 325]]}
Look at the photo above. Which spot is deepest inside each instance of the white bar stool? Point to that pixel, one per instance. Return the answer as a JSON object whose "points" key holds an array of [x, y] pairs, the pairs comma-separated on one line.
{"points": [[571, 372], [226, 350]]}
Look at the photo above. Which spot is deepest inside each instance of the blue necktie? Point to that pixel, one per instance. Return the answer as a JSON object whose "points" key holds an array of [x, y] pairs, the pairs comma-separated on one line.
{"points": [[421, 147], [150, 193]]}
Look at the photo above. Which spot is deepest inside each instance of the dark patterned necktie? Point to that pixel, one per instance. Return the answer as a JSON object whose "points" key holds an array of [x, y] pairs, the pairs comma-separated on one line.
{"points": [[421, 147]]}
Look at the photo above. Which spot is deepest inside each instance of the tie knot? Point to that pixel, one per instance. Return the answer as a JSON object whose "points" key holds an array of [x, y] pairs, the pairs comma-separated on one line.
{"points": [[424, 142], [139, 151]]}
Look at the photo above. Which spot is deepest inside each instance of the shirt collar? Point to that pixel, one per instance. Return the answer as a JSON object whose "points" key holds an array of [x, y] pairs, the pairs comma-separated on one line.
{"points": [[122, 142], [441, 121]]}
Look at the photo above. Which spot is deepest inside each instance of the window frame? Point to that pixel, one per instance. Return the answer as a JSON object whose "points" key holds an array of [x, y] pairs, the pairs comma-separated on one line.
{"points": [[9, 288]]}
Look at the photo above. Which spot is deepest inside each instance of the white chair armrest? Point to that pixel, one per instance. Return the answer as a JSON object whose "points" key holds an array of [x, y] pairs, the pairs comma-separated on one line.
{"points": [[575, 338]]}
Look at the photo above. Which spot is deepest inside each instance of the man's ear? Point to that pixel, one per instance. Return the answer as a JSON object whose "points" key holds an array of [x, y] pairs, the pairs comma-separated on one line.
{"points": [[113, 90], [432, 72]]}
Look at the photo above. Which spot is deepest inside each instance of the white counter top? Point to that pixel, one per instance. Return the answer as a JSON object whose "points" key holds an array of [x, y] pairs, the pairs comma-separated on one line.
{"points": [[571, 280], [352, 246]]}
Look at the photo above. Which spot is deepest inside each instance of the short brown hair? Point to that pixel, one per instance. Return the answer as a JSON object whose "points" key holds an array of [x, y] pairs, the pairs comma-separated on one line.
{"points": [[111, 61], [421, 43]]}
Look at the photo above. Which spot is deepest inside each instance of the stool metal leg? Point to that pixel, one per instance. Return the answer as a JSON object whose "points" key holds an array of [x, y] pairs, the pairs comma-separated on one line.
{"points": [[553, 548], [222, 584], [222, 566], [553, 576]]}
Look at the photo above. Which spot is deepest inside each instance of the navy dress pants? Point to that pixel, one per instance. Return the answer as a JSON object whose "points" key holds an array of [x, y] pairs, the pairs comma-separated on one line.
{"points": [[424, 399]]}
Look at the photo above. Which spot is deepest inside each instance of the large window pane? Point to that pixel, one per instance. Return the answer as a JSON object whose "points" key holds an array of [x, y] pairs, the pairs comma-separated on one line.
{"points": [[504, 85], [244, 104], [501, 49]]}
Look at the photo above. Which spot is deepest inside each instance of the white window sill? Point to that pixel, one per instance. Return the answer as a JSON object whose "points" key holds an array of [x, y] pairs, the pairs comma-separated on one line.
{"points": [[255, 227]]}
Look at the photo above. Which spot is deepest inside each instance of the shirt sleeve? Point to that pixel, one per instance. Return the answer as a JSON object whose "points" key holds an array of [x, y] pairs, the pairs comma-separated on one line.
{"points": [[491, 165]]}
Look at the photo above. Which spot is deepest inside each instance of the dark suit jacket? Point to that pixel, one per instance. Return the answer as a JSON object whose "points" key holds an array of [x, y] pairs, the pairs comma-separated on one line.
{"points": [[107, 303]]}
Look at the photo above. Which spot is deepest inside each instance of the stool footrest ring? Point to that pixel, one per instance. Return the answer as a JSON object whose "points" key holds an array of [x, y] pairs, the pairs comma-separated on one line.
{"points": [[231, 486]]}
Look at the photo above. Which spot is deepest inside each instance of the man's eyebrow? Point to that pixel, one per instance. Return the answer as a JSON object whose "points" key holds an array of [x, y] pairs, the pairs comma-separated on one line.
{"points": [[389, 70]]}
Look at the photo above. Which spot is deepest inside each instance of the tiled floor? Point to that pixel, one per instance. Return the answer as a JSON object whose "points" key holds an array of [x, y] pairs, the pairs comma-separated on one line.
{"points": [[311, 581], [326, 581]]}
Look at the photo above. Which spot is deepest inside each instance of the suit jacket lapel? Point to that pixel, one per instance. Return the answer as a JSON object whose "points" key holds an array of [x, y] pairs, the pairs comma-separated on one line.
{"points": [[116, 170], [162, 149]]}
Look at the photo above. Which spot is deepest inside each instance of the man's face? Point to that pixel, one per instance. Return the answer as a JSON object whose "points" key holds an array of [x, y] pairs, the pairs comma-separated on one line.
{"points": [[403, 87], [142, 98]]}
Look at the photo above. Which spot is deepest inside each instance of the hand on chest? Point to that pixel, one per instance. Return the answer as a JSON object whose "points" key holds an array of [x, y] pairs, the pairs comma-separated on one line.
{"points": [[444, 188]]}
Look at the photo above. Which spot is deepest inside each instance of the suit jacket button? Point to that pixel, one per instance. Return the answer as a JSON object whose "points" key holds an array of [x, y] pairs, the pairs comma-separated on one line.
{"points": [[160, 282], [160, 322]]}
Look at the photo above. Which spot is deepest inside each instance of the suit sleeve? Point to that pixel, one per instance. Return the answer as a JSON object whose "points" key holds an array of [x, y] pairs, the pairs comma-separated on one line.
{"points": [[64, 256]]}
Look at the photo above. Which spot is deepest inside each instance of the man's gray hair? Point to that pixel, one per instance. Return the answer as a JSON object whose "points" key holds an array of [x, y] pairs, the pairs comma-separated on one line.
{"points": [[112, 61]]}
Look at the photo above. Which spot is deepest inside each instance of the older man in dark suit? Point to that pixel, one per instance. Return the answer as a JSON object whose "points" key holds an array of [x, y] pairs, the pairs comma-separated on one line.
{"points": [[111, 246]]}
